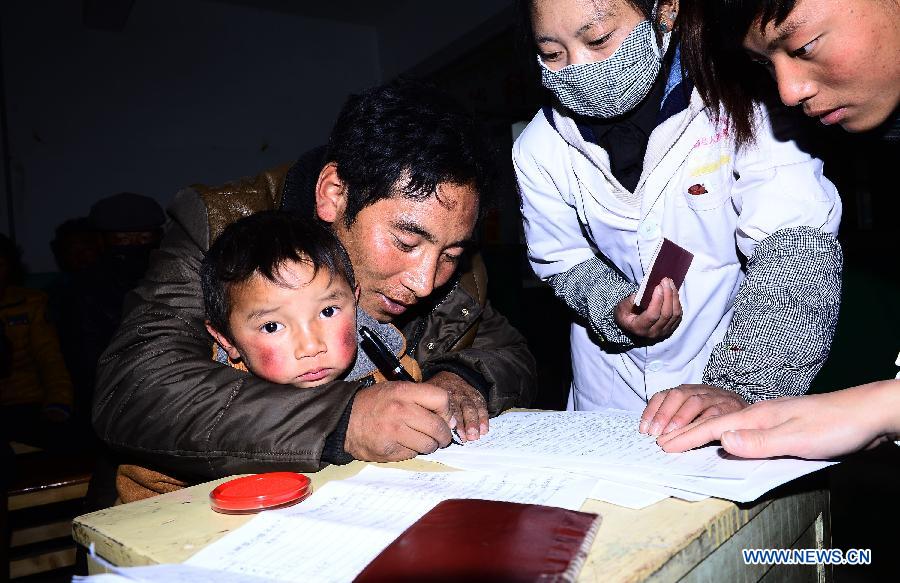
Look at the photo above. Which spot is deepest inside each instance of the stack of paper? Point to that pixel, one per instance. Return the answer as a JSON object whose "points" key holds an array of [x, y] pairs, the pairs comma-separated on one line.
{"points": [[550, 458], [632, 470], [336, 532]]}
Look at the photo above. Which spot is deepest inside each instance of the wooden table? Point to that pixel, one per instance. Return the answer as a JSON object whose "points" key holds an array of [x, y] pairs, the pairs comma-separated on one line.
{"points": [[669, 541]]}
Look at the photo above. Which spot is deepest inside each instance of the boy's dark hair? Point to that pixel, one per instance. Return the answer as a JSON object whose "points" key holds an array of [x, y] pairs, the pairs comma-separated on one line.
{"points": [[261, 243], [410, 135], [712, 35]]}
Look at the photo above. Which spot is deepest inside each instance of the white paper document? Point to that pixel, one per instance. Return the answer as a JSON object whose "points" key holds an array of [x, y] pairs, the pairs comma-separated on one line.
{"points": [[606, 444], [607, 437], [627, 495], [338, 530], [770, 475], [176, 573]]}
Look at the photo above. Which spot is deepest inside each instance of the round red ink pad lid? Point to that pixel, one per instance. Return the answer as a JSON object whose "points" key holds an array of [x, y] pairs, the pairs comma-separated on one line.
{"points": [[260, 492]]}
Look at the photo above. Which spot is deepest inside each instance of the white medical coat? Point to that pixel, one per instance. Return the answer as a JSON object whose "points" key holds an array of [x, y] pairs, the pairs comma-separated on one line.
{"points": [[575, 209]]}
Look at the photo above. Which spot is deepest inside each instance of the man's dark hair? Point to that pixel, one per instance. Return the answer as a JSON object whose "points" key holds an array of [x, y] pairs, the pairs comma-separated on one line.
{"points": [[410, 136], [712, 35], [261, 243]]}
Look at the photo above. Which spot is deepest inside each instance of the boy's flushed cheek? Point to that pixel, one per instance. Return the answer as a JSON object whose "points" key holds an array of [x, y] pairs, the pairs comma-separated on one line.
{"points": [[348, 344], [268, 362]]}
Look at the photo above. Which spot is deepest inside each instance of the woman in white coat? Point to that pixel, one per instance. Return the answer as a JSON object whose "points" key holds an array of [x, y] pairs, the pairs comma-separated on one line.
{"points": [[629, 154]]}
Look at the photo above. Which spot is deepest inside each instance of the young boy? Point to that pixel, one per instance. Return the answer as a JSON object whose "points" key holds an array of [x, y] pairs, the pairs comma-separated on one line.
{"points": [[281, 304]]}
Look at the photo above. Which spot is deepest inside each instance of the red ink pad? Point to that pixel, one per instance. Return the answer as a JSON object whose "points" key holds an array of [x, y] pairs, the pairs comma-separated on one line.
{"points": [[251, 494]]}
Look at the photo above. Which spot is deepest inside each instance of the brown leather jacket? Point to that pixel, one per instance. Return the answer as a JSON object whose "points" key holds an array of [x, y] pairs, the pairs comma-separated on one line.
{"points": [[160, 400]]}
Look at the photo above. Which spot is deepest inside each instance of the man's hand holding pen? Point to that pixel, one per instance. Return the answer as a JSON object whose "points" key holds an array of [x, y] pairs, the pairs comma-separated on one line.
{"points": [[468, 410], [398, 420], [467, 405]]}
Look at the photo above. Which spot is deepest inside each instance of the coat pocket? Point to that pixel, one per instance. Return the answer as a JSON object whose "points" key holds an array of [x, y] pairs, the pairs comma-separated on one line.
{"points": [[707, 181]]}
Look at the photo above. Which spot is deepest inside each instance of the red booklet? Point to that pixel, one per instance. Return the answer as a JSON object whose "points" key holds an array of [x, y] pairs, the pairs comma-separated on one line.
{"points": [[670, 261], [483, 540]]}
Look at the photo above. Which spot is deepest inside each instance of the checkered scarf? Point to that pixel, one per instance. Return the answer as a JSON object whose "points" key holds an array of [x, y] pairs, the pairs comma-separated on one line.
{"points": [[615, 85]]}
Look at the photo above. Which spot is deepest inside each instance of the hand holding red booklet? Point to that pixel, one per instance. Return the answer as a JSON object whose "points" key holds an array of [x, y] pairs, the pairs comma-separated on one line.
{"points": [[670, 261], [484, 540]]}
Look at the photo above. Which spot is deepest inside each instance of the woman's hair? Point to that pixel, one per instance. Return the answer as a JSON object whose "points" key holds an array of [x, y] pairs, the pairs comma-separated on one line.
{"points": [[260, 244], [712, 33]]}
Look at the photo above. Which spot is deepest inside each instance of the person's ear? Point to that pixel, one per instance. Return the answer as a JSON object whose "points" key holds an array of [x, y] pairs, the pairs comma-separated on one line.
{"points": [[222, 341], [331, 194], [666, 15], [356, 293]]}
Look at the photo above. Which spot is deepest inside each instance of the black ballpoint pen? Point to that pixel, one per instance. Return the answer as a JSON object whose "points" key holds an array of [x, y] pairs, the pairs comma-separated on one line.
{"points": [[383, 357], [389, 365]]}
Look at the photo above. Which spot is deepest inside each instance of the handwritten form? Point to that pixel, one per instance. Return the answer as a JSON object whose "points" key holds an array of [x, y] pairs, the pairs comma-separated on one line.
{"points": [[175, 573], [336, 532], [607, 437], [605, 444]]}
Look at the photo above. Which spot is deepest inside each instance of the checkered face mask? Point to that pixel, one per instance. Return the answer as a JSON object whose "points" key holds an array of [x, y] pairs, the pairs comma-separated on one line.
{"points": [[615, 85]]}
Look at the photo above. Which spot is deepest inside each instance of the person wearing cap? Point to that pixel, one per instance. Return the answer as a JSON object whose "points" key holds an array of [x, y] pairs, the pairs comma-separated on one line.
{"points": [[838, 61], [402, 183], [129, 227]]}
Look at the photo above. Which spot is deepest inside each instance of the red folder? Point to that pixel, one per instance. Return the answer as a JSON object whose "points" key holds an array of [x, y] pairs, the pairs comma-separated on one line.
{"points": [[670, 261], [483, 540]]}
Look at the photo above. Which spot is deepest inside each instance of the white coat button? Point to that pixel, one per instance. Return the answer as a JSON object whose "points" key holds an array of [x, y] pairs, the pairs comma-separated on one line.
{"points": [[431, 346], [465, 312], [654, 365], [649, 230]]}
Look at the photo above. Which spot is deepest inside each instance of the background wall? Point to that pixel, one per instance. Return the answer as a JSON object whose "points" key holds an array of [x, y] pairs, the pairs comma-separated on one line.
{"points": [[187, 91], [420, 36]]}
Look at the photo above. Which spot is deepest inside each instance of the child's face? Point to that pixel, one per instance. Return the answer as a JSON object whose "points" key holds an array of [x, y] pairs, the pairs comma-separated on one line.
{"points": [[301, 331]]}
